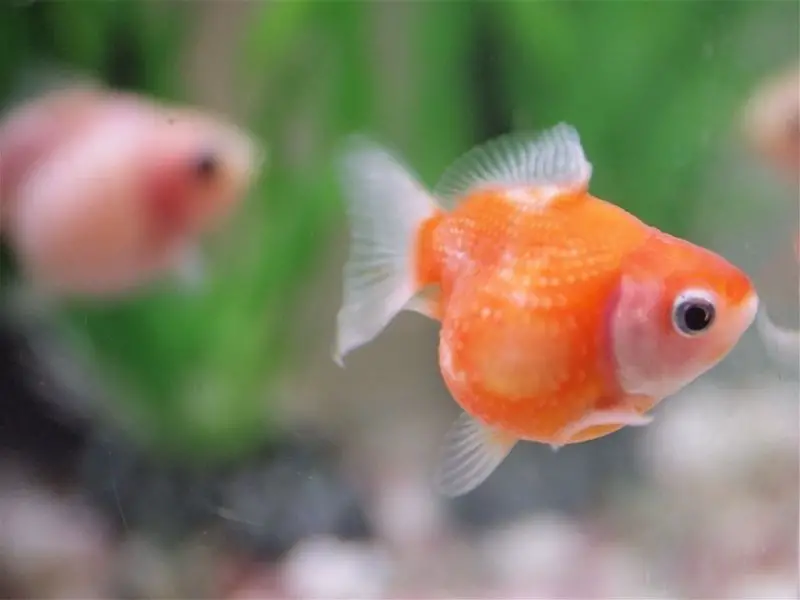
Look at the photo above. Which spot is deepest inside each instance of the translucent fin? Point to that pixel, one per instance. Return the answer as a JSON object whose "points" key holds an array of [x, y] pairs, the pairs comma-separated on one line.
{"points": [[601, 417], [385, 206], [552, 159], [472, 451], [782, 344]]}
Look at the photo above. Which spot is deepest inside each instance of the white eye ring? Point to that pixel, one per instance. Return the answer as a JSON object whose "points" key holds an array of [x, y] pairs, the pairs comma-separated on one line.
{"points": [[693, 312]]}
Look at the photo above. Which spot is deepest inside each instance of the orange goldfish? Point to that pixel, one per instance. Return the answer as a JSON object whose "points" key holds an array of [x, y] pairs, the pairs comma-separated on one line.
{"points": [[102, 191], [563, 317]]}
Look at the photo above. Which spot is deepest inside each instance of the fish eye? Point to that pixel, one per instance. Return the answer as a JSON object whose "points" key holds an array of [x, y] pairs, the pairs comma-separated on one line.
{"points": [[693, 312], [206, 165]]}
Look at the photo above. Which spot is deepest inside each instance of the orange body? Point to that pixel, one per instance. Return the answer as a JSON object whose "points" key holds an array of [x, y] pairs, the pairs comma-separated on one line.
{"points": [[525, 302]]}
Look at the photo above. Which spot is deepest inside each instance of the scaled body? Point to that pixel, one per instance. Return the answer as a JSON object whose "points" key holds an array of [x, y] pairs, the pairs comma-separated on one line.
{"points": [[529, 281], [564, 317]]}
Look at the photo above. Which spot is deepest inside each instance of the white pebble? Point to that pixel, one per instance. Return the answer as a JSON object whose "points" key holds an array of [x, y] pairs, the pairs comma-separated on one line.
{"points": [[539, 552], [779, 586], [326, 568], [407, 513]]}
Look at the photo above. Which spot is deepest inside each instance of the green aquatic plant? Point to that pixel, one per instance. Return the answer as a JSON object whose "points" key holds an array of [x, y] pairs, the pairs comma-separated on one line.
{"points": [[651, 87]]}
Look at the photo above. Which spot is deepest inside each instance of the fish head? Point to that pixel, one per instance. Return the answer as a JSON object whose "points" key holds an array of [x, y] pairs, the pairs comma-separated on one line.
{"points": [[199, 170], [678, 311]]}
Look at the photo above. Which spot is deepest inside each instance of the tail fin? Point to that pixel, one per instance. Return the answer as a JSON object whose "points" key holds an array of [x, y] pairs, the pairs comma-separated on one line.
{"points": [[386, 206]]}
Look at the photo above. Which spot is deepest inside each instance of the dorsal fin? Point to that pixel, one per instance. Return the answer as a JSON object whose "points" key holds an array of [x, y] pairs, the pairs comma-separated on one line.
{"points": [[552, 159]]}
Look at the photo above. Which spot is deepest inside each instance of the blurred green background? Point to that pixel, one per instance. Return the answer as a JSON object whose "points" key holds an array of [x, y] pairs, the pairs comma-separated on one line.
{"points": [[653, 88]]}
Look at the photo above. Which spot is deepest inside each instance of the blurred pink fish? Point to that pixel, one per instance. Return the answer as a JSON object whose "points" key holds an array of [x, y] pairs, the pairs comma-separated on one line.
{"points": [[102, 192]]}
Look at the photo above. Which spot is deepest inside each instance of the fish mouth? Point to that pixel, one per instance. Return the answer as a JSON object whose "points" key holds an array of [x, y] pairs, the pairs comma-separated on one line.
{"points": [[748, 309], [740, 317], [247, 157]]}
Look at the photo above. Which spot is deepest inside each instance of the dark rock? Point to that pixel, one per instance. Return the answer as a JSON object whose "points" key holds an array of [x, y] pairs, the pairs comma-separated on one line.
{"points": [[294, 492], [263, 506], [138, 491], [34, 424]]}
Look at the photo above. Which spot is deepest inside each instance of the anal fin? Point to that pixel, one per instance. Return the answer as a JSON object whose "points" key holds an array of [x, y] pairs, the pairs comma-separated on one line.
{"points": [[471, 452]]}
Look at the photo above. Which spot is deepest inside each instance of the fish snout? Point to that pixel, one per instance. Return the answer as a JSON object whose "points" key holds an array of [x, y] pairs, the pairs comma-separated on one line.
{"points": [[746, 311]]}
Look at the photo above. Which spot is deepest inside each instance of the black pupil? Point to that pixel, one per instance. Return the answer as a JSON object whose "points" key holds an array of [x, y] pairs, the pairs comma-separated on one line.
{"points": [[696, 317], [206, 165]]}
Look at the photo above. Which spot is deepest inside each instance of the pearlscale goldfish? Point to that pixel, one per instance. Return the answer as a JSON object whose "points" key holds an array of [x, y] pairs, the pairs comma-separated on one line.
{"points": [[563, 317], [103, 191]]}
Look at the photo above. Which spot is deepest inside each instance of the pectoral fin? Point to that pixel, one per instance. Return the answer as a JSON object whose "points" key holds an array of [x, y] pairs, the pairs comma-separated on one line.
{"points": [[622, 417]]}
